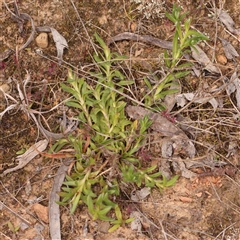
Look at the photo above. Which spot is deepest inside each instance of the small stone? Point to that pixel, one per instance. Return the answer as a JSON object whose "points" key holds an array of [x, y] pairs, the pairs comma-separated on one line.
{"points": [[186, 199], [133, 26], [199, 194], [42, 40], [104, 227], [103, 19], [221, 59], [41, 211], [4, 88]]}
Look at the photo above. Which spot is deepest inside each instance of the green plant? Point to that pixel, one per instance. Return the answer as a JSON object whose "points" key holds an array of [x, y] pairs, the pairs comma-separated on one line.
{"points": [[107, 142], [12, 228], [184, 37]]}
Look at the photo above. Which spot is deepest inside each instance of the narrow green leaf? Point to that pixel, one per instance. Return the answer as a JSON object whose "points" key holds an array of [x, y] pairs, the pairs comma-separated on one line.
{"points": [[118, 213], [170, 17], [147, 82], [185, 65], [155, 175], [167, 59], [113, 228], [100, 40], [73, 104], [75, 202], [172, 181], [129, 220], [125, 83], [197, 34], [181, 74], [105, 210], [70, 183], [176, 48]]}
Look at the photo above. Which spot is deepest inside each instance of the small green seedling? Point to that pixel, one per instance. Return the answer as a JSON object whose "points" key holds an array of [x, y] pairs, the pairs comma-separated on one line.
{"points": [[184, 38], [12, 228]]}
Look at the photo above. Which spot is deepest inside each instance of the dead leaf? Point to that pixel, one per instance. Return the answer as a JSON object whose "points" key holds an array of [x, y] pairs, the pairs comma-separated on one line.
{"points": [[60, 42], [182, 99], [29, 155], [225, 18], [199, 194], [136, 224], [180, 166], [201, 57], [234, 86], [4, 88], [170, 99], [140, 194], [229, 50], [138, 52], [28, 187], [177, 137], [160, 123], [167, 148]]}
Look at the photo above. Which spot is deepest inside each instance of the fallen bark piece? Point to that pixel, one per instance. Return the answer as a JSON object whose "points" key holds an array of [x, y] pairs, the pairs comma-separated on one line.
{"points": [[54, 211]]}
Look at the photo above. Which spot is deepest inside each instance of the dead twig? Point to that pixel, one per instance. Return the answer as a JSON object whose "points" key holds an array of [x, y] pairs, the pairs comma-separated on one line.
{"points": [[16, 214]]}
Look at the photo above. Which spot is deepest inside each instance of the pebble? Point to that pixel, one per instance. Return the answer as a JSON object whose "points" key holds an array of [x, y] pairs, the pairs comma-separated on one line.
{"points": [[133, 26], [41, 211], [4, 88], [221, 59], [42, 40]]}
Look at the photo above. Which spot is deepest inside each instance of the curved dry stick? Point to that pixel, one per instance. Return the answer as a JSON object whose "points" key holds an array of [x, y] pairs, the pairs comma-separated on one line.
{"points": [[144, 38], [20, 18], [25, 16]]}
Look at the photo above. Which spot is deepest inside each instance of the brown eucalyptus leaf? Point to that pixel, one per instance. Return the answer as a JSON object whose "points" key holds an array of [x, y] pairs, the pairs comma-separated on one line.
{"points": [[177, 139], [229, 50], [60, 42], [136, 224], [225, 18], [170, 99], [29, 155], [237, 85], [201, 57], [160, 123], [234, 86], [202, 98], [140, 194]]}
